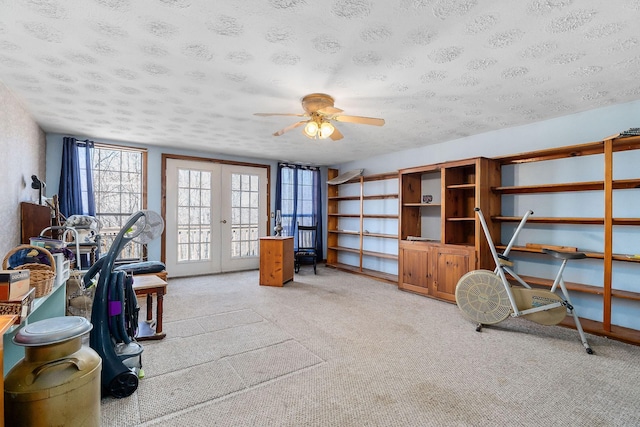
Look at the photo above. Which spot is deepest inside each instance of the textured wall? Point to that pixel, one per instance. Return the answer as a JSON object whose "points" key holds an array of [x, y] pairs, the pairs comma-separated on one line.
{"points": [[22, 148]]}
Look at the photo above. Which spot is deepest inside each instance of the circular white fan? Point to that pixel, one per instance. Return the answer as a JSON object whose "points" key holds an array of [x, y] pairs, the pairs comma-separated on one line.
{"points": [[482, 298], [148, 227]]}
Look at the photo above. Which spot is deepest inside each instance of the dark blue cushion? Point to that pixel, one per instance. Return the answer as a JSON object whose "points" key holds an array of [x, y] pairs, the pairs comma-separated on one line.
{"points": [[146, 267]]}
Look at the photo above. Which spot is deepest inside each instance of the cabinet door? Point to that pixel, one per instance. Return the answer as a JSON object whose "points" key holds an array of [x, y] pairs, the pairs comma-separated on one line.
{"points": [[414, 269], [450, 264]]}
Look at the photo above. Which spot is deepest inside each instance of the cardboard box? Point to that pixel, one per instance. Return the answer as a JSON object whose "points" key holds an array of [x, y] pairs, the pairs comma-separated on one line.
{"points": [[13, 284], [20, 306]]}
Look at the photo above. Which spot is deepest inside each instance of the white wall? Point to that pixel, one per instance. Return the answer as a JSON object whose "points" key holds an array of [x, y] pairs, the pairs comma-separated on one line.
{"points": [[22, 144]]}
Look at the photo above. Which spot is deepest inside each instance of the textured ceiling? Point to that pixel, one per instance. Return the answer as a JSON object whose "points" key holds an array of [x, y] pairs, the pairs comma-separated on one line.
{"points": [[191, 73]]}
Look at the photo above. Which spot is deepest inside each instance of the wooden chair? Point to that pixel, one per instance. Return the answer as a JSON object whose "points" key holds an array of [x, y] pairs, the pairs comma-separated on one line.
{"points": [[307, 243]]}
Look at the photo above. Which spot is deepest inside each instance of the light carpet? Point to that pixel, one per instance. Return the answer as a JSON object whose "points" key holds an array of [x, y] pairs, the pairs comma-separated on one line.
{"points": [[337, 349]]}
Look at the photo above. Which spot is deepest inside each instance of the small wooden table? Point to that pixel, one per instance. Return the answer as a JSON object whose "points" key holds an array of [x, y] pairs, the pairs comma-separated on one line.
{"points": [[276, 260], [149, 284]]}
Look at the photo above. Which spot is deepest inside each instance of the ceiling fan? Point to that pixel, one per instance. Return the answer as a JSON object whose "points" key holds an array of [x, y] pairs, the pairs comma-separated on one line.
{"points": [[319, 109]]}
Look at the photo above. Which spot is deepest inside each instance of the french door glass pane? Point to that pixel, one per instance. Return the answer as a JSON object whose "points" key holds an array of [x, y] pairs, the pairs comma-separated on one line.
{"points": [[244, 221], [194, 215]]}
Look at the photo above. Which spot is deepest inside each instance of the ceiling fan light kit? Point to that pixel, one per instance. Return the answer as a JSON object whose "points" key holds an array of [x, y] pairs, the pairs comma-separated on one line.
{"points": [[320, 110], [317, 128], [311, 129]]}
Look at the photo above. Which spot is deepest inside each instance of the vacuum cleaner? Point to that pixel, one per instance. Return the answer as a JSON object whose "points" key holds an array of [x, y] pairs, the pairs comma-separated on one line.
{"points": [[114, 313]]}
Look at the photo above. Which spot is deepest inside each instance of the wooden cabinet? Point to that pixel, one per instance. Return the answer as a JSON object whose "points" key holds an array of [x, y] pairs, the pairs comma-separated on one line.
{"points": [[415, 267], [440, 236], [33, 219], [362, 224], [433, 269], [591, 193], [450, 263], [276, 260]]}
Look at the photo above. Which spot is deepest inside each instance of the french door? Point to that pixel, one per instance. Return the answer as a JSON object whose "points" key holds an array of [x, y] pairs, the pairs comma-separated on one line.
{"points": [[215, 215]]}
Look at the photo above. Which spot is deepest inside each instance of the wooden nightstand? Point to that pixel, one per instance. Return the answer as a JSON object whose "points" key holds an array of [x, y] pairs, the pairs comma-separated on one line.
{"points": [[276, 260]]}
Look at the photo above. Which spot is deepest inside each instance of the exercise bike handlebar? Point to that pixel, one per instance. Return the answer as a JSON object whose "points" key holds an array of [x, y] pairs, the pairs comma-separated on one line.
{"points": [[523, 221], [487, 233]]}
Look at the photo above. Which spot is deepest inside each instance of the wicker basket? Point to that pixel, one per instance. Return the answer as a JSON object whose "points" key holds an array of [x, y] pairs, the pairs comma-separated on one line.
{"points": [[42, 276]]}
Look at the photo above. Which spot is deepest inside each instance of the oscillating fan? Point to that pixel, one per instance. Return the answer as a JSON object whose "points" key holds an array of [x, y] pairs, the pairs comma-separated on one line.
{"points": [[482, 298], [148, 227]]}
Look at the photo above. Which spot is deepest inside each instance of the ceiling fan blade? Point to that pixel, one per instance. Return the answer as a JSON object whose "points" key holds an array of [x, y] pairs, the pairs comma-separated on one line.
{"points": [[279, 114], [336, 135], [288, 128], [360, 120], [329, 110]]}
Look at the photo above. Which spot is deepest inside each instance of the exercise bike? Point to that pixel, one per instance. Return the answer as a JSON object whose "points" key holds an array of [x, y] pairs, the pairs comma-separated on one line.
{"points": [[486, 297]]}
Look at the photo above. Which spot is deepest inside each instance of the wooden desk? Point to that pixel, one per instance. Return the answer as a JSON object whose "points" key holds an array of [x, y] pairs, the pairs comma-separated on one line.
{"points": [[5, 323], [149, 284], [276, 260]]}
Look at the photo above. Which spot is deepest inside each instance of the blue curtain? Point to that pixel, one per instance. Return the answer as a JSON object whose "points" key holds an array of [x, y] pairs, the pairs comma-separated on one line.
{"points": [[299, 198], [75, 192]]}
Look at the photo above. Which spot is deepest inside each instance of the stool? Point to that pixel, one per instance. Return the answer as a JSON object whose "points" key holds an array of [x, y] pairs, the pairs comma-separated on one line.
{"points": [[147, 285]]}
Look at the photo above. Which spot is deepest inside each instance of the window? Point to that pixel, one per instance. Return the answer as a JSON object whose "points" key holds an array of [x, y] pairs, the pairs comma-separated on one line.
{"points": [[298, 198], [120, 190]]}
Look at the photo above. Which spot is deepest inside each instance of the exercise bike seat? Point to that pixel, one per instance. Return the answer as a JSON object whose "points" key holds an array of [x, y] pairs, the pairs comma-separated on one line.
{"points": [[564, 255]]}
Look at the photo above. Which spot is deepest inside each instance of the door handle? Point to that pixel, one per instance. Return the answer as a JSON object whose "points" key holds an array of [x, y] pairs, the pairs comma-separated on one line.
{"points": [[224, 221]]}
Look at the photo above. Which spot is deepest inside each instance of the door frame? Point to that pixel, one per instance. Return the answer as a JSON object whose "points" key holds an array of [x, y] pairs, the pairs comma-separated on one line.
{"points": [[163, 196]]}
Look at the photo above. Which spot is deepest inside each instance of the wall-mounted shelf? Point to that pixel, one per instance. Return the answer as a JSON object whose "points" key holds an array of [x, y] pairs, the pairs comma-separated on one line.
{"points": [[358, 219], [602, 225]]}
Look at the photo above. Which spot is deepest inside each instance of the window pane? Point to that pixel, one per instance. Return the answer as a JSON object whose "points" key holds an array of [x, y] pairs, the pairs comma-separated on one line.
{"points": [[117, 177]]}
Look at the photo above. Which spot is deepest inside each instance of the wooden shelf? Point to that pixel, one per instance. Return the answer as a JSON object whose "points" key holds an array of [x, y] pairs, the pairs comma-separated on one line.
{"points": [[590, 148], [626, 221], [379, 192], [594, 255], [341, 198], [380, 254], [380, 196], [461, 187], [392, 278], [568, 220], [422, 205], [550, 220], [366, 197], [381, 235], [551, 188], [380, 216], [567, 187], [553, 153], [631, 336], [571, 286], [607, 187], [349, 232], [375, 177], [345, 249]]}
